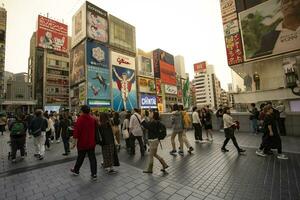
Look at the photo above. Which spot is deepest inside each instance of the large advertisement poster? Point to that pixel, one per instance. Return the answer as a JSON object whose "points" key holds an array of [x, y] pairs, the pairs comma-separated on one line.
{"points": [[148, 101], [97, 23], [77, 64], [121, 34], [52, 34], [98, 83], [167, 73], [79, 25], [145, 66], [234, 49], [146, 85], [122, 60], [124, 88], [270, 28], [97, 54]]}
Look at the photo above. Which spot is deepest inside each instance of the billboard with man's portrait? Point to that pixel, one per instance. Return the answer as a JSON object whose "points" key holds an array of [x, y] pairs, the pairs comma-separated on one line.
{"points": [[270, 28]]}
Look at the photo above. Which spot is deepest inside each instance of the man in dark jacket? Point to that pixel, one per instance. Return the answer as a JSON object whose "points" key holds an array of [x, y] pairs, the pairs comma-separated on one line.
{"points": [[84, 137]]}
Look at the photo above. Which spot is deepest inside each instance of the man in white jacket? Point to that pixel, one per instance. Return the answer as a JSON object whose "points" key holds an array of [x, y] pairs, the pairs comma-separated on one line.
{"points": [[136, 132]]}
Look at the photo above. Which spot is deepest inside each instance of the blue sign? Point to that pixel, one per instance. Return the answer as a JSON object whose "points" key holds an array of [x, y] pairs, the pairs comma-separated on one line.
{"points": [[97, 54], [148, 101]]}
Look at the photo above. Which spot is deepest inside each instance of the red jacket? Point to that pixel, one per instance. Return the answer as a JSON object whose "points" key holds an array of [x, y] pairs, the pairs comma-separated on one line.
{"points": [[84, 132]]}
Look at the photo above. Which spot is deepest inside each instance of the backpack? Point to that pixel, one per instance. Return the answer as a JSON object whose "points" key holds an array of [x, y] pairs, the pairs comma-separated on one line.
{"points": [[17, 128], [162, 131], [187, 122]]}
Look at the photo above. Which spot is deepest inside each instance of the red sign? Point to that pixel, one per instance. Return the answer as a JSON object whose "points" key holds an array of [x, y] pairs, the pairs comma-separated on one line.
{"points": [[52, 34], [167, 73], [234, 49], [200, 67]]}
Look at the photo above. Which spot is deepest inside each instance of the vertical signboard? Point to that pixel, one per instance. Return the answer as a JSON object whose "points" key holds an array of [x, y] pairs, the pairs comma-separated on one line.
{"points": [[97, 23], [77, 64], [79, 25], [82, 94], [156, 59]]}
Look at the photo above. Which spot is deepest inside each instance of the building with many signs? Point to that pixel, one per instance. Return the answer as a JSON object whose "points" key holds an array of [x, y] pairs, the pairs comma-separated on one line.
{"points": [[263, 49], [3, 18], [48, 64]]}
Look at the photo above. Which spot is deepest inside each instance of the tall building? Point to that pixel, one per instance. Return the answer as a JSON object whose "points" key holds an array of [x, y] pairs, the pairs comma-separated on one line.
{"points": [[224, 98], [7, 76], [3, 17], [48, 64], [180, 66], [207, 86]]}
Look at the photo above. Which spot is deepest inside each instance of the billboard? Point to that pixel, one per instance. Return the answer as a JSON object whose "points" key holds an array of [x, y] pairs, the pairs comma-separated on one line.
{"points": [[122, 60], [79, 25], [270, 28], [123, 88], [97, 54], [148, 101], [171, 89], [234, 49], [167, 73], [77, 64], [51, 34], [146, 85], [98, 86], [145, 66], [200, 67], [121, 34], [97, 23]]}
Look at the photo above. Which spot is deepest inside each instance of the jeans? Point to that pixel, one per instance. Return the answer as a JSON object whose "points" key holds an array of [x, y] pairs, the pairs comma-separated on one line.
{"points": [[66, 144], [198, 131], [92, 158], [153, 145], [140, 140], [17, 143], [39, 143], [230, 135], [254, 125]]}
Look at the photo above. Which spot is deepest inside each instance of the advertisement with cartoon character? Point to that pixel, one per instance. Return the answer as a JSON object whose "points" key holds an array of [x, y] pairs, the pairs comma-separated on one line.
{"points": [[79, 25], [97, 23], [52, 34], [97, 54], [98, 83], [124, 88], [77, 64]]}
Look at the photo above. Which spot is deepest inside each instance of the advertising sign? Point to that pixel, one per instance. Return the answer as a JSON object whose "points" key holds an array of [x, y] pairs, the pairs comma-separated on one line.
{"points": [[146, 85], [229, 18], [98, 86], [200, 67], [79, 25], [227, 7], [234, 49], [52, 34], [77, 64], [82, 93], [148, 101], [231, 27], [156, 67], [97, 24], [99, 103], [97, 54], [158, 87], [121, 34], [265, 31], [145, 67], [167, 73], [170, 89], [122, 60], [123, 88]]}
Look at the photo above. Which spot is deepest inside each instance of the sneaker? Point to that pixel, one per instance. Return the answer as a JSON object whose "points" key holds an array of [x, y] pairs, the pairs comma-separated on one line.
{"points": [[197, 141], [181, 153], [147, 172], [74, 173], [260, 153], [190, 150], [112, 171], [36, 155], [65, 154], [241, 150], [224, 150], [51, 141], [57, 141], [14, 161], [282, 157], [173, 152], [94, 177], [40, 157], [202, 141]]}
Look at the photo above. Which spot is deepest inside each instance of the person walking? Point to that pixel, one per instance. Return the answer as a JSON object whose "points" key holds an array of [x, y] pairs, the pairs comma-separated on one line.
{"points": [[229, 127], [153, 137], [282, 116], [136, 132], [57, 127], [254, 114], [64, 125], [109, 152], [219, 115], [38, 128], [271, 138], [197, 125], [48, 131], [3, 122], [177, 125], [207, 118], [116, 129], [125, 131], [187, 123], [18, 137], [145, 131], [84, 139]]}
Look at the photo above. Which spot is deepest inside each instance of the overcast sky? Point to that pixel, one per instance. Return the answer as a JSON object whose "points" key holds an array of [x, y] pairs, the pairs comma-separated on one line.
{"points": [[191, 28]]}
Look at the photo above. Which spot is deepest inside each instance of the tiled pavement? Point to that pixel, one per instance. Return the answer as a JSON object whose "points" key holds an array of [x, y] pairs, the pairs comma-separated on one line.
{"points": [[207, 174]]}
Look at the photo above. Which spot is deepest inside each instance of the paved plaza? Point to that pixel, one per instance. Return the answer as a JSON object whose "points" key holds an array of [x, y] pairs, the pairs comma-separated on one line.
{"points": [[206, 174]]}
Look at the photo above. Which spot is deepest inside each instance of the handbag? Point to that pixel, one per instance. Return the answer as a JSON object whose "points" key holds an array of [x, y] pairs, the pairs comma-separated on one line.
{"points": [[125, 133]]}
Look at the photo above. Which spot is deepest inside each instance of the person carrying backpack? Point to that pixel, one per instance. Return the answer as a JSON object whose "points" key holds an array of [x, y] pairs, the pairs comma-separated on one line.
{"points": [[18, 137], [156, 132], [177, 123]]}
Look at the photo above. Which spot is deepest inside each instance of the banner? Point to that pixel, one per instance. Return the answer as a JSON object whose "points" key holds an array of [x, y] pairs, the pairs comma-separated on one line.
{"points": [[200, 67], [145, 66], [156, 59], [123, 88], [97, 23], [79, 25], [77, 64], [97, 54], [167, 73], [122, 60], [186, 94], [234, 49], [98, 86], [52, 34], [148, 101], [146, 85], [170, 89], [265, 31]]}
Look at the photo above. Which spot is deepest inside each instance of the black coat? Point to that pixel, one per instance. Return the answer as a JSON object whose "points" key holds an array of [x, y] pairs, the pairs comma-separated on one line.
{"points": [[152, 128], [107, 135]]}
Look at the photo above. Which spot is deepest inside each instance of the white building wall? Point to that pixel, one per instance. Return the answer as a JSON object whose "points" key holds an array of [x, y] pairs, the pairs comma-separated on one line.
{"points": [[180, 66]]}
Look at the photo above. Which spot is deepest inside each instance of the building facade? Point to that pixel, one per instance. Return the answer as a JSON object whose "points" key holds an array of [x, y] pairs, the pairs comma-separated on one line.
{"points": [[3, 18]]}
